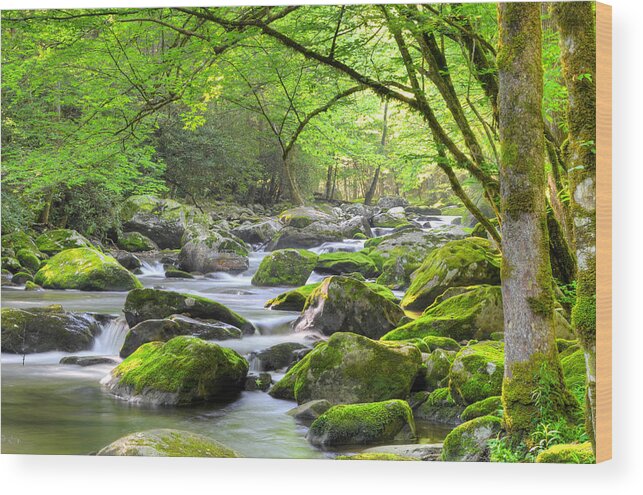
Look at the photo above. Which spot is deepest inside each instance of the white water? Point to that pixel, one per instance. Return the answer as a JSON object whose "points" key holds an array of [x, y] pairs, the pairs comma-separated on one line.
{"points": [[152, 269], [111, 338], [347, 246]]}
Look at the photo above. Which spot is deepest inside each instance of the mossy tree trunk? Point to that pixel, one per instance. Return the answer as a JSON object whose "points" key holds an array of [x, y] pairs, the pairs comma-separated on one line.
{"points": [[533, 387], [576, 23], [368, 198]]}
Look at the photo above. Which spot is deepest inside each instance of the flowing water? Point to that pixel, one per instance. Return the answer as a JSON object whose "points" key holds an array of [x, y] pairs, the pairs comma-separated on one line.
{"points": [[49, 408]]}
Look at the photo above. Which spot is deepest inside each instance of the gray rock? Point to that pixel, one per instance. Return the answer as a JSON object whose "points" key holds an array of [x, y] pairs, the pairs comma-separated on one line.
{"points": [[257, 233], [388, 202], [310, 410], [88, 360], [260, 381], [424, 452], [279, 356]]}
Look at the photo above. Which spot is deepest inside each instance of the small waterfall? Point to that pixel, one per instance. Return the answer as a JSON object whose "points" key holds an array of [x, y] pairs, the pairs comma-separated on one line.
{"points": [[275, 326], [316, 277], [152, 269], [346, 246], [254, 363], [111, 338]]}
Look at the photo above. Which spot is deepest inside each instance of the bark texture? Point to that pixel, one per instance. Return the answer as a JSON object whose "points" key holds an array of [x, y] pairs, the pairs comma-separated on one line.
{"points": [[533, 386], [577, 26]]}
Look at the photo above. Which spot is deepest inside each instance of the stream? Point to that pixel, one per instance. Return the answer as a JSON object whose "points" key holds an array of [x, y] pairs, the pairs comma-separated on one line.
{"points": [[49, 408]]}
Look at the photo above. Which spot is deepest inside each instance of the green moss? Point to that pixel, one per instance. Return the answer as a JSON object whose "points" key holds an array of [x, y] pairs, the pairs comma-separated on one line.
{"points": [[57, 240], [363, 424], [375, 456], [28, 260], [575, 374], [339, 263], [446, 343], [85, 269], [192, 368], [491, 406], [437, 365], [11, 264], [21, 278], [174, 273], [477, 372], [360, 235], [135, 242], [32, 286], [285, 267], [19, 240], [439, 407], [469, 441], [568, 454]]}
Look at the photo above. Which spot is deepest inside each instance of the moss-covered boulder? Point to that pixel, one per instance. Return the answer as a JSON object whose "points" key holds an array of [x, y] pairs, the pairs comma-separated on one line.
{"points": [[30, 286], [161, 220], [302, 216], [135, 242], [437, 406], [389, 219], [350, 368], [21, 278], [568, 453], [11, 264], [437, 366], [477, 372], [166, 443], [375, 456], [28, 260], [469, 441], [30, 330], [57, 240], [289, 267], [278, 356], [257, 233], [153, 304], [174, 273], [343, 304], [446, 343], [575, 373], [491, 406], [208, 251], [339, 263], [317, 233], [295, 300], [184, 370], [359, 424], [473, 314], [14, 242], [85, 269], [465, 262], [166, 329]]}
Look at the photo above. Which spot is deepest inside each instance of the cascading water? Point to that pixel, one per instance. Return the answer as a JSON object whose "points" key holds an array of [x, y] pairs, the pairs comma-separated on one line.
{"points": [[111, 338], [346, 246], [152, 269]]}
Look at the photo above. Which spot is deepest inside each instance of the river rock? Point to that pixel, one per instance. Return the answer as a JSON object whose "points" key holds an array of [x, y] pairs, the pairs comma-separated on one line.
{"points": [[88, 360], [389, 220], [128, 260], [85, 269], [154, 304], [349, 368], [468, 442], [182, 371], [437, 406], [21, 278], [568, 453], [31, 330], [166, 329], [258, 381], [477, 372], [279, 356], [257, 233], [343, 304], [359, 424], [209, 251], [388, 202], [135, 242], [289, 267], [423, 210], [465, 262], [302, 216], [166, 443], [491, 406], [340, 263], [421, 451], [310, 410], [358, 210], [312, 235], [57, 240]]}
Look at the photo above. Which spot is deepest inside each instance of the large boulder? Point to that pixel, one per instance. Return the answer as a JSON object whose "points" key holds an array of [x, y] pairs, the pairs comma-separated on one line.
{"points": [[350, 368], [166, 329], [470, 261], [388, 202], [210, 251], [295, 299], [289, 267], [257, 233], [166, 443], [184, 370], [85, 269], [437, 407], [17, 241], [343, 304], [437, 365], [340, 263], [469, 442], [278, 356], [491, 406], [302, 216], [459, 313], [55, 241], [135, 242], [568, 453], [359, 424], [151, 304], [477, 372], [318, 232], [30, 330], [389, 219]]}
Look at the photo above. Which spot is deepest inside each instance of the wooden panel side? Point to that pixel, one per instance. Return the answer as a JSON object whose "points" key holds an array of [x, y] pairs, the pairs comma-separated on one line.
{"points": [[603, 232]]}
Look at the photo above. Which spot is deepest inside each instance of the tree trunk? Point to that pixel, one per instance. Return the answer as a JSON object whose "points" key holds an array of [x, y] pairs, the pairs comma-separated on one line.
{"points": [[576, 24], [368, 199], [293, 188], [46, 210], [533, 387], [329, 181]]}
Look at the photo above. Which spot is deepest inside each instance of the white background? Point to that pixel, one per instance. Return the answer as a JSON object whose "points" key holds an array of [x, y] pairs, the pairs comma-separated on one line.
{"points": [[622, 475]]}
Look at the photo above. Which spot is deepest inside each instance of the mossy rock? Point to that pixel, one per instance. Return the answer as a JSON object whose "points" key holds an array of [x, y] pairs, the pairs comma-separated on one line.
{"points": [[465, 262], [302, 216], [350, 368], [289, 267], [11, 264], [363, 424], [477, 372], [21, 278], [57, 240], [435, 342], [438, 406], [279, 356], [207, 251], [473, 314], [295, 300], [375, 456], [343, 304], [340, 263], [310, 410], [85, 269], [438, 364], [166, 443], [575, 373], [28, 260], [182, 371], [32, 287], [151, 304], [50, 328], [468, 442], [17, 241], [174, 273], [491, 406], [563, 344], [569, 453], [135, 242]]}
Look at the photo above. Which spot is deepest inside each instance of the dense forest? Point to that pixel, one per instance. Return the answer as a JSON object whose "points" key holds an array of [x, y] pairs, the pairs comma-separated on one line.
{"points": [[408, 189]]}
